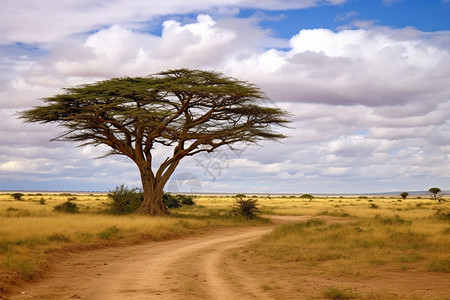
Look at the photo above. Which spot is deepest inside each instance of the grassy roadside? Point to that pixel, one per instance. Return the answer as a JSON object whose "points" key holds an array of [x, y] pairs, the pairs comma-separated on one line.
{"points": [[31, 230], [396, 250]]}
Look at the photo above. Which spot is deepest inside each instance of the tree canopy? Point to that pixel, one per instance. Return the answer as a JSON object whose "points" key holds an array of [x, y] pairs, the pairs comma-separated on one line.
{"points": [[435, 193], [190, 111]]}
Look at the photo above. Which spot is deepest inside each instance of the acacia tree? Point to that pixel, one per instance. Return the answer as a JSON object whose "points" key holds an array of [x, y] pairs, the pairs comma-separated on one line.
{"points": [[404, 195], [189, 111], [435, 193]]}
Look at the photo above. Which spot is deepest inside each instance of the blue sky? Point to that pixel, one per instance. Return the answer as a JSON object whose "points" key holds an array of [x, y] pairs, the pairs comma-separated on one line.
{"points": [[430, 15], [366, 82]]}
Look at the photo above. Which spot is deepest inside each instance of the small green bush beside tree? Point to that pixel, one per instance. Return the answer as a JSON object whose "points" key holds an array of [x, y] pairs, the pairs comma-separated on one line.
{"points": [[125, 200]]}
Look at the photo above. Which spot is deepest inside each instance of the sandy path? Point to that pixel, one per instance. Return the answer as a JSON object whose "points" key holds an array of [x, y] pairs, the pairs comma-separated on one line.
{"points": [[150, 271]]}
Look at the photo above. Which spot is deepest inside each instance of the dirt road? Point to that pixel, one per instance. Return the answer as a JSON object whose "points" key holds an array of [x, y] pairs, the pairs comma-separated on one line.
{"points": [[190, 268], [180, 269]]}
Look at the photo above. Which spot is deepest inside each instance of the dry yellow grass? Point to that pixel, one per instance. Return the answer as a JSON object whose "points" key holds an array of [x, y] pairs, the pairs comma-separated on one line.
{"points": [[382, 234]]}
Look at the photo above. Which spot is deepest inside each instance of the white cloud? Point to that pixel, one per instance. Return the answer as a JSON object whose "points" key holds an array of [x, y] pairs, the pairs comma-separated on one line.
{"points": [[368, 104], [45, 22]]}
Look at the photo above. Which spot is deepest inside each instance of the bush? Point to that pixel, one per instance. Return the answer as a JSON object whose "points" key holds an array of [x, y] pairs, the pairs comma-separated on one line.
{"points": [[186, 200], [125, 200], [42, 201], [171, 201], [67, 207], [240, 196], [246, 208]]}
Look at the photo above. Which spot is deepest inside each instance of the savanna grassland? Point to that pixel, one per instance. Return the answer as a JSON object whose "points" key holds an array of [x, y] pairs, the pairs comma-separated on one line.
{"points": [[346, 247], [32, 231]]}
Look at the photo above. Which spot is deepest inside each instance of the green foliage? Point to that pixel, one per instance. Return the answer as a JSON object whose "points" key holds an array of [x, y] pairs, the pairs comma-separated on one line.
{"points": [[171, 201], [307, 196], [42, 201], [240, 196], [125, 200], [186, 200], [173, 108], [67, 207], [404, 195], [246, 208], [435, 193], [17, 196]]}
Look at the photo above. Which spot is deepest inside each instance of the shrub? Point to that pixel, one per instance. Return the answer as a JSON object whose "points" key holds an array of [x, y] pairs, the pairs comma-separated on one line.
{"points": [[240, 196], [186, 200], [42, 201], [125, 200], [67, 207], [246, 208], [171, 201], [373, 205]]}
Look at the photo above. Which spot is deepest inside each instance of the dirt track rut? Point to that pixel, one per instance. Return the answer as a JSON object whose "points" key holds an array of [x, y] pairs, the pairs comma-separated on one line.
{"points": [[181, 269]]}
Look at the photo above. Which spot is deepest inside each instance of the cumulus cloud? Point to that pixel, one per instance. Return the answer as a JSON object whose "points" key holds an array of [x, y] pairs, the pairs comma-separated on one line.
{"points": [[34, 22], [370, 103]]}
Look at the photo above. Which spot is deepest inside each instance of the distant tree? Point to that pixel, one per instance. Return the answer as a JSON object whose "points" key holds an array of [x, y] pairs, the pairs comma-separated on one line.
{"points": [[435, 193], [307, 196], [404, 195], [240, 196], [188, 111], [17, 196]]}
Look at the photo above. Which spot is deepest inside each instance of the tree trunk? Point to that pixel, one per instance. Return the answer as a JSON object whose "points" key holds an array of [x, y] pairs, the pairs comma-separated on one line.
{"points": [[153, 195]]}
